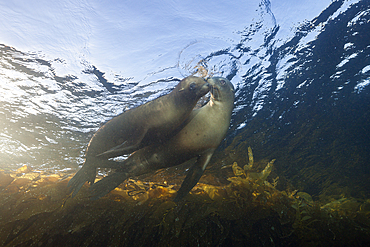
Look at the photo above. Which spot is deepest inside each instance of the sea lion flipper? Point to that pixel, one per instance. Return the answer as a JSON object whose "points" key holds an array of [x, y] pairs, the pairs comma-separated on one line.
{"points": [[194, 174], [124, 148], [114, 150], [86, 173], [118, 150], [108, 183]]}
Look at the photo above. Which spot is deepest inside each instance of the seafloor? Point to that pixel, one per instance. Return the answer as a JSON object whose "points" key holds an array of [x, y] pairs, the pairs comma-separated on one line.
{"points": [[238, 206]]}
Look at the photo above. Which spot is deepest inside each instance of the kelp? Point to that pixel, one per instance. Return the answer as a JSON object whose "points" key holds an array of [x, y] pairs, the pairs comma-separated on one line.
{"points": [[36, 209]]}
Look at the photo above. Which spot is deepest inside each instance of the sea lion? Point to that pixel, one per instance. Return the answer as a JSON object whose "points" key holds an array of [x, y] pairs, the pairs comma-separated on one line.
{"points": [[136, 128], [203, 131]]}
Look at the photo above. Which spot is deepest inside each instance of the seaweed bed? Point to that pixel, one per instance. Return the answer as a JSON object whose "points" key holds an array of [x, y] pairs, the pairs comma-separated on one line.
{"points": [[36, 209]]}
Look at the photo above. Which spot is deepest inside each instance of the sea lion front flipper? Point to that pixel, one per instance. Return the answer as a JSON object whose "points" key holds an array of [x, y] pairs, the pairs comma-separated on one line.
{"points": [[194, 174], [124, 148], [108, 183], [114, 150]]}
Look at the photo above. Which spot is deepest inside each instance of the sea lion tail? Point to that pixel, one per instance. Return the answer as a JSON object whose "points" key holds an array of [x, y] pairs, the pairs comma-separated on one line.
{"points": [[86, 173], [107, 184]]}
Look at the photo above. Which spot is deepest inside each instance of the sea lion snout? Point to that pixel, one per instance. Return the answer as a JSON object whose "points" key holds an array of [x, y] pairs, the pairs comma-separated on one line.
{"points": [[202, 85], [221, 89], [195, 86], [206, 87]]}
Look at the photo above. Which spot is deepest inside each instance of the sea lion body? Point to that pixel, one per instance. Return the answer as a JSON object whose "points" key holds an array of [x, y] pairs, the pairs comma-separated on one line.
{"points": [[202, 133], [136, 128]]}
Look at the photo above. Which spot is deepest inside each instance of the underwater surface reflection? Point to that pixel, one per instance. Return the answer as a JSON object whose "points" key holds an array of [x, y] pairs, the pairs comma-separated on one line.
{"points": [[302, 100]]}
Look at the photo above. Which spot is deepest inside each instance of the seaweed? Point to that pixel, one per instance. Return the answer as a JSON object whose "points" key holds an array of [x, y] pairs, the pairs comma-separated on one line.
{"points": [[37, 209]]}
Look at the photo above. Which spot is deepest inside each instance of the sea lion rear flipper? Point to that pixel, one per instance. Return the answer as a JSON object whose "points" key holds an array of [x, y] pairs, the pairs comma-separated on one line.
{"points": [[86, 173], [194, 174], [108, 183]]}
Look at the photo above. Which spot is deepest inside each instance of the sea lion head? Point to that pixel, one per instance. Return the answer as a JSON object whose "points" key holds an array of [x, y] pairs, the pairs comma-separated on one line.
{"points": [[193, 87], [222, 90]]}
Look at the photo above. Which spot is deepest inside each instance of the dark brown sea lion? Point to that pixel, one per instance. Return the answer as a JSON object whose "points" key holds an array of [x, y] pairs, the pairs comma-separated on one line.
{"points": [[136, 128], [202, 133]]}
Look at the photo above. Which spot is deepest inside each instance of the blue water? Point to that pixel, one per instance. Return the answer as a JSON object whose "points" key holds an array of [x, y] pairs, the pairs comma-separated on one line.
{"points": [[302, 84]]}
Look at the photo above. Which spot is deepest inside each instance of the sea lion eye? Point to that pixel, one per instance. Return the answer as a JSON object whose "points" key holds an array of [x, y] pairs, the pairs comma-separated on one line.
{"points": [[192, 86], [222, 82]]}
